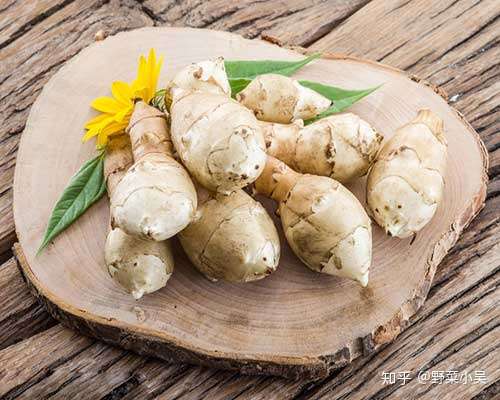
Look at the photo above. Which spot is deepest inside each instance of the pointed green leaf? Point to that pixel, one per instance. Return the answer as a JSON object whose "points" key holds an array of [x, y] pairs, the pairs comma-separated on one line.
{"points": [[158, 100], [241, 73], [238, 84], [85, 188], [252, 68], [341, 98]]}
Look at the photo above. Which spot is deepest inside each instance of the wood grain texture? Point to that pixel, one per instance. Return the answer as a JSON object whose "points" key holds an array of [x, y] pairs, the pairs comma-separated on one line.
{"points": [[468, 73], [295, 22], [23, 364], [196, 321]]}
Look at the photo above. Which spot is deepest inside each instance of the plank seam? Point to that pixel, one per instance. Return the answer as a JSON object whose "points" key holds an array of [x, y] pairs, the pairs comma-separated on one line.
{"points": [[31, 23]]}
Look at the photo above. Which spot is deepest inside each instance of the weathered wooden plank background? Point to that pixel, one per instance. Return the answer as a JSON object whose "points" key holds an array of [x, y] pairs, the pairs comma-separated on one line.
{"points": [[451, 43]]}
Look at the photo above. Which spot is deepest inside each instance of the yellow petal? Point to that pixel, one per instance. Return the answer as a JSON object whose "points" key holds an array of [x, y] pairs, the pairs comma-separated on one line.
{"points": [[124, 115], [122, 92], [151, 72], [106, 105], [97, 128], [143, 79], [140, 90], [152, 56], [90, 134], [141, 71], [157, 74], [154, 72], [96, 120], [143, 93], [114, 128]]}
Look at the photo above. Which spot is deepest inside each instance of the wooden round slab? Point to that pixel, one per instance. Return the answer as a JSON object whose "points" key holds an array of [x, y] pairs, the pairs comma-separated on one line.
{"points": [[293, 323]]}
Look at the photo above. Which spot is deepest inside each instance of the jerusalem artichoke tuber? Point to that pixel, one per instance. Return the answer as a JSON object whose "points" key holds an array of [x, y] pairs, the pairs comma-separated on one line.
{"points": [[205, 76], [139, 265], [277, 98], [341, 146], [156, 198], [324, 223], [232, 238], [218, 140], [405, 185]]}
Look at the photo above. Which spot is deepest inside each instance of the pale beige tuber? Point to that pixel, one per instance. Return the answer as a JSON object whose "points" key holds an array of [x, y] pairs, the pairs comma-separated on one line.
{"points": [[219, 141], [205, 76], [232, 238], [156, 198], [342, 146], [324, 223], [277, 98], [405, 185], [139, 265]]}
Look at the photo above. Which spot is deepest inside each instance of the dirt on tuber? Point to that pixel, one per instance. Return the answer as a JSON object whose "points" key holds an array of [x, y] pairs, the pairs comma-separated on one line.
{"points": [[324, 223], [205, 76], [232, 238], [278, 98], [218, 140], [342, 146], [156, 198], [139, 265], [406, 183]]}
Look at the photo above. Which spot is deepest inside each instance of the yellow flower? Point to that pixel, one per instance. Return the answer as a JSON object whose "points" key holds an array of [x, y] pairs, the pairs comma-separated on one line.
{"points": [[116, 110]]}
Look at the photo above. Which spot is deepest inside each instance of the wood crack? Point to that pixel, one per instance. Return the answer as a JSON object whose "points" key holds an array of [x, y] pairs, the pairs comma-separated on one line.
{"points": [[40, 75], [473, 34], [393, 51], [72, 17], [35, 313], [329, 27], [455, 297], [178, 378], [202, 395], [46, 372], [123, 389], [30, 24], [444, 9], [414, 64], [7, 7], [486, 292], [402, 5], [489, 393]]}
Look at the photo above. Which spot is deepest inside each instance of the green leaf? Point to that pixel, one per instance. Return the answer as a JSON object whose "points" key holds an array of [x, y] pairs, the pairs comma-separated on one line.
{"points": [[85, 188], [238, 84], [252, 68], [341, 98], [158, 100], [241, 73]]}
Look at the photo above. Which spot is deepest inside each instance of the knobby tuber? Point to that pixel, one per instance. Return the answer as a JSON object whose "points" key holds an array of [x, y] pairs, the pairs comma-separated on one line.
{"points": [[219, 141], [232, 238], [205, 76], [139, 265], [156, 198], [277, 98], [324, 223], [405, 185], [342, 146]]}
